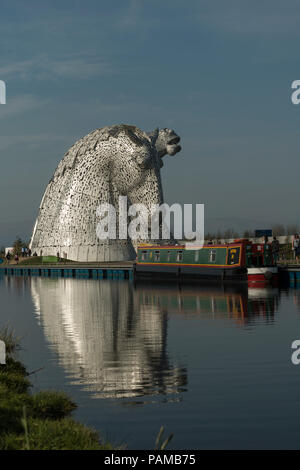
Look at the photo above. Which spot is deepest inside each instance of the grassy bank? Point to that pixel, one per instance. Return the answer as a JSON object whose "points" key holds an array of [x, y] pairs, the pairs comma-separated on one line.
{"points": [[40, 421], [36, 261], [39, 260]]}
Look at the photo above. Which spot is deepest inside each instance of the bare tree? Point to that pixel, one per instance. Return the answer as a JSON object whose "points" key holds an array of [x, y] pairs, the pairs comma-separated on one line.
{"points": [[292, 229], [248, 234], [278, 230], [230, 233], [209, 236]]}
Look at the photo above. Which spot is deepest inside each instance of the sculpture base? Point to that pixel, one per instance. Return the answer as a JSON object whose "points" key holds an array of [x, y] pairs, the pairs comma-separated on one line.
{"points": [[115, 250]]}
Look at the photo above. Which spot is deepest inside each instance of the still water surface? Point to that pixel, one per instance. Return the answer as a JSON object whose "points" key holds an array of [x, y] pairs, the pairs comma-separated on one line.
{"points": [[212, 364]]}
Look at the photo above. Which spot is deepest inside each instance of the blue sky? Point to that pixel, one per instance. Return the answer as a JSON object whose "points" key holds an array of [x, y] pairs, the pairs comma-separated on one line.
{"points": [[219, 73]]}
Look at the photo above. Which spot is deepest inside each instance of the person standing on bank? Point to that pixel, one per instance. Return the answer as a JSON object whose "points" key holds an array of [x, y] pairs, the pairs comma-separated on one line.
{"points": [[275, 249], [296, 247]]}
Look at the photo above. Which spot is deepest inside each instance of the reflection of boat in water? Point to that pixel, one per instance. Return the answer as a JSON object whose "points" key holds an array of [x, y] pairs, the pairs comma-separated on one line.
{"points": [[263, 302], [240, 304], [105, 344]]}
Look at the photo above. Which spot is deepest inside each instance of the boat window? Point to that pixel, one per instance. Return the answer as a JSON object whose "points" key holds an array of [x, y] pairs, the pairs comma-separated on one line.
{"points": [[212, 256], [156, 255], [179, 255], [197, 255], [144, 255], [169, 255]]}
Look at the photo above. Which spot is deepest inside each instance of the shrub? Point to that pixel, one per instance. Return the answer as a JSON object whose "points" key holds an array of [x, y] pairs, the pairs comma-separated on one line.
{"points": [[15, 382], [65, 434], [51, 405]]}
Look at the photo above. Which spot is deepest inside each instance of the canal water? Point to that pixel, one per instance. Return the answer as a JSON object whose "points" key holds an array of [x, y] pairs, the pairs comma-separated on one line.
{"points": [[211, 364]]}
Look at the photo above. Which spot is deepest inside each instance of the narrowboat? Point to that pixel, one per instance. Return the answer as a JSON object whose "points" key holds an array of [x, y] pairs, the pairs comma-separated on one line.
{"points": [[238, 261]]}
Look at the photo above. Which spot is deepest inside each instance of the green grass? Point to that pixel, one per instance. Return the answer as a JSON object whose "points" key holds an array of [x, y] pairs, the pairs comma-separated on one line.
{"points": [[65, 434], [51, 405], [38, 260], [40, 421]]}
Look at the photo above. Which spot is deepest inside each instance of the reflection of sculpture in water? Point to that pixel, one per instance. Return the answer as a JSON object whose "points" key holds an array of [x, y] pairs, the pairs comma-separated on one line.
{"points": [[103, 341]]}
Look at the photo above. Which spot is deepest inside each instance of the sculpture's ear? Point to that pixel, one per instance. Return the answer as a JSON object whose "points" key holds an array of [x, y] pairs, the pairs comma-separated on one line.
{"points": [[153, 136]]}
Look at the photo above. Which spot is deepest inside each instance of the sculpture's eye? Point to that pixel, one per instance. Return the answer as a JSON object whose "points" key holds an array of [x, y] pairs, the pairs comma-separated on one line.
{"points": [[134, 138]]}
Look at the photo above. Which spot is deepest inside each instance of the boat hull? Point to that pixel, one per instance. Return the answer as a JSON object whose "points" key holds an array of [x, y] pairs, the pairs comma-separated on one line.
{"points": [[262, 275], [191, 273]]}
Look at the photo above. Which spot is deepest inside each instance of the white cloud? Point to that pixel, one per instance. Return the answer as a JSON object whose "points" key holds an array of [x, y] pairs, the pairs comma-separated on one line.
{"points": [[134, 18], [131, 17], [31, 140], [62, 67], [20, 104]]}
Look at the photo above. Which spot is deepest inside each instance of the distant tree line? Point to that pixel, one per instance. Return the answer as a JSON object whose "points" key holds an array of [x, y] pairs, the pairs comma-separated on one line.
{"points": [[229, 233], [278, 230]]}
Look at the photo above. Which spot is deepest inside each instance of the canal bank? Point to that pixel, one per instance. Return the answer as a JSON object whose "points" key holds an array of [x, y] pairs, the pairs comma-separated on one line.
{"points": [[124, 270], [289, 274]]}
